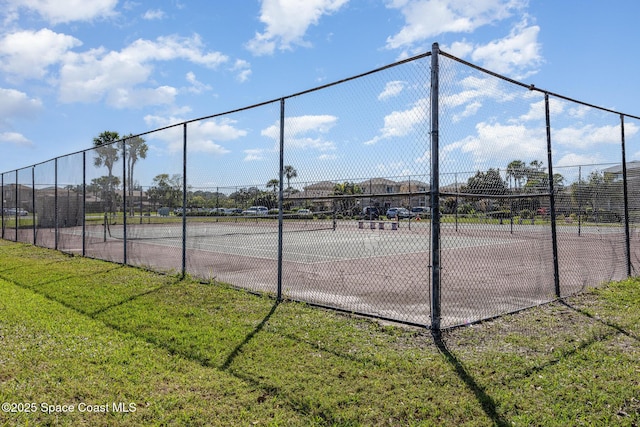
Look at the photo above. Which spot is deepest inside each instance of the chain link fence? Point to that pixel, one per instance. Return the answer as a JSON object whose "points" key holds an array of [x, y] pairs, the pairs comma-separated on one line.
{"points": [[430, 192]]}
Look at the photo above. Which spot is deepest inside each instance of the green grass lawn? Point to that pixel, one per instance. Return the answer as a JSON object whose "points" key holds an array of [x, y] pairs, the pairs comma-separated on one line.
{"points": [[100, 338]]}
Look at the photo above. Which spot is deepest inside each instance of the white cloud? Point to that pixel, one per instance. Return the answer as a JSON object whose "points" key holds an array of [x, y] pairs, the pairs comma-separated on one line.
{"points": [[138, 98], [512, 54], [15, 104], [391, 89], [287, 22], [460, 48], [426, 19], [537, 109], [253, 154], [92, 75], [14, 139], [28, 54], [202, 136], [475, 90], [495, 142], [588, 136], [298, 130], [153, 14], [573, 159], [401, 123], [57, 12], [470, 109], [243, 69], [196, 86]]}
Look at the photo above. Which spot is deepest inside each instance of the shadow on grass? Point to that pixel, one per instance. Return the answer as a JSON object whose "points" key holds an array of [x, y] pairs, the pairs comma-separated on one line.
{"points": [[601, 321], [486, 401], [131, 298], [248, 338], [37, 288]]}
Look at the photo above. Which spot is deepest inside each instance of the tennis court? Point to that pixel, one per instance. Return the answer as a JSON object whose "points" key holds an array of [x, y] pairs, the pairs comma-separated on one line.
{"points": [[487, 269]]}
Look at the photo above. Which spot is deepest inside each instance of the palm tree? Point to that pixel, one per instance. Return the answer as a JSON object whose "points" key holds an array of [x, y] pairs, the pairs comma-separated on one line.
{"points": [[107, 155], [135, 148], [289, 172], [517, 170], [273, 184]]}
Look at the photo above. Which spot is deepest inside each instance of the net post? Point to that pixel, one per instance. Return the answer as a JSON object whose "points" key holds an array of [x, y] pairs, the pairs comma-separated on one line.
{"points": [[435, 194], [552, 200], [280, 200]]}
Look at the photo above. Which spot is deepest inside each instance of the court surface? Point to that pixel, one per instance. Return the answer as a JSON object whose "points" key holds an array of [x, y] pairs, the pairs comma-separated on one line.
{"points": [[486, 269]]}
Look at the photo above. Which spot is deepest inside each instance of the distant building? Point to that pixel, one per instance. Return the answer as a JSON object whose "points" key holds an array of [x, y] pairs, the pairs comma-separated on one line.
{"points": [[380, 192]]}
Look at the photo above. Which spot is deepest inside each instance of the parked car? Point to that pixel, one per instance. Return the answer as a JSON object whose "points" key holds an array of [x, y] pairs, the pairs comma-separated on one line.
{"points": [[421, 211], [256, 210], [370, 212], [304, 213], [398, 213], [216, 211], [14, 211], [178, 211], [233, 211]]}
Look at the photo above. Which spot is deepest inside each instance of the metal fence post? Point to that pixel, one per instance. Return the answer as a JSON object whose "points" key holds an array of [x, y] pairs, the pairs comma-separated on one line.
{"points": [[2, 201], [184, 200], [84, 202], [55, 203], [33, 202], [280, 200], [552, 200], [625, 190], [435, 193], [16, 206], [124, 201]]}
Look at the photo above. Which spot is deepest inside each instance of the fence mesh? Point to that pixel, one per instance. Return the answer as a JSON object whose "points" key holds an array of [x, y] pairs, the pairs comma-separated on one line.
{"points": [[372, 262], [23, 196], [10, 203], [326, 196]]}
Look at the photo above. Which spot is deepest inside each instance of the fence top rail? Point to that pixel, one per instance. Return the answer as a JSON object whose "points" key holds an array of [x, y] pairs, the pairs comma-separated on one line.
{"points": [[534, 88]]}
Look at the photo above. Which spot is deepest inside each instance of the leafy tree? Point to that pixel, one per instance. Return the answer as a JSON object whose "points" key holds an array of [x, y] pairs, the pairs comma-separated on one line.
{"points": [[601, 192], [537, 178], [486, 183], [197, 201], [166, 190], [244, 195], [348, 204], [103, 188]]}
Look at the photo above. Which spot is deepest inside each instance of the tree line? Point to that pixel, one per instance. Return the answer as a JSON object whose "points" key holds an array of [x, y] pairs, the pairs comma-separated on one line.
{"points": [[598, 196]]}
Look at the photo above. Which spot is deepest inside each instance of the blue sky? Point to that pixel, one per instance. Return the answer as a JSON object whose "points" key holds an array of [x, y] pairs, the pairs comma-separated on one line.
{"points": [[72, 69]]}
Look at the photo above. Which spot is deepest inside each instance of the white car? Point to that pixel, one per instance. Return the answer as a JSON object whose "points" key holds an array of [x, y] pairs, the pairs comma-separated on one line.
{"points": [[14, 212], [256, 210]]}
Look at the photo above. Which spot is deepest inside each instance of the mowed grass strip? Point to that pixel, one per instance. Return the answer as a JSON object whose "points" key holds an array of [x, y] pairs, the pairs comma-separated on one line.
{"points": [[75, 331]]}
